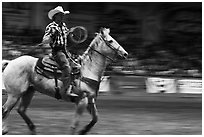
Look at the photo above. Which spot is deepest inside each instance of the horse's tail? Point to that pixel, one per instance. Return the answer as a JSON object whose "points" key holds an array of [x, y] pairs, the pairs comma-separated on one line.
{"points": [[4, 64]]}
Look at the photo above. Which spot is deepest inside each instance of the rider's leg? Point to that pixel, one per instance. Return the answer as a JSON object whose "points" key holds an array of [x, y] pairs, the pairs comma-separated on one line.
{"points": [[61, 59], [66, 79]]}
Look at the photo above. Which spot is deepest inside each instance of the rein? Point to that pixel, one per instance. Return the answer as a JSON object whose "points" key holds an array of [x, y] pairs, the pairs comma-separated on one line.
{"points": [[93, 83], [102, 54]]}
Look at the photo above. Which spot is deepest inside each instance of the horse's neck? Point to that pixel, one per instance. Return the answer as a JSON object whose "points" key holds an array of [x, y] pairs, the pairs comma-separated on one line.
{"points": [[93, 65]]}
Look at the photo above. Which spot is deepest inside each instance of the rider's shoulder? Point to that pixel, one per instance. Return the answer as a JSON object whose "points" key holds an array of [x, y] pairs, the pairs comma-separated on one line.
{"points": [[52, 24]]}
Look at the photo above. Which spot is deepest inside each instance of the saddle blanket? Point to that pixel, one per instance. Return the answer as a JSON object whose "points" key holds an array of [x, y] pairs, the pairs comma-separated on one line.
{"points": [[49, 68]]}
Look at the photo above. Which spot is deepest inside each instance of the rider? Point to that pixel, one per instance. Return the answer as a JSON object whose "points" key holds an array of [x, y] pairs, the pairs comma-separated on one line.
{"points": [[56, 36]]}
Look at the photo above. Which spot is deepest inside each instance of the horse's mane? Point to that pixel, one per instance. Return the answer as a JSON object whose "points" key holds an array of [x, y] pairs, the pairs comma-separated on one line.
{"points": [[88, 52]]}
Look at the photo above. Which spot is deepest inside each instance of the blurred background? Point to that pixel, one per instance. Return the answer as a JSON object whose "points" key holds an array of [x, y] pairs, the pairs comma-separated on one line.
{"points": [[163, 38], [164, 42]]}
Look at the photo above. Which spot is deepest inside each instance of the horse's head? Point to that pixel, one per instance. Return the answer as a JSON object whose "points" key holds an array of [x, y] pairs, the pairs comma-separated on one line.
{"points": [[109, 46]]}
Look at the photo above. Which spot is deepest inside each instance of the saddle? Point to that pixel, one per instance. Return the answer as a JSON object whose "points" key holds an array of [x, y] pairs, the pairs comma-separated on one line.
{"points": [[48, 67]]}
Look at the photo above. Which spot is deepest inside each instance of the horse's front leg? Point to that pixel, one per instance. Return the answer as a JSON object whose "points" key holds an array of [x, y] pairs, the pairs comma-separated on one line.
{"points": [[80, 107], [94, 113]]}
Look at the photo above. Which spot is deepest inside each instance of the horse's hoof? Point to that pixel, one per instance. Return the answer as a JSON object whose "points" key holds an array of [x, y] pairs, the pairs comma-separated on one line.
{"points": [[72, 130], [82, 132], [33, 132], [4, 131]]}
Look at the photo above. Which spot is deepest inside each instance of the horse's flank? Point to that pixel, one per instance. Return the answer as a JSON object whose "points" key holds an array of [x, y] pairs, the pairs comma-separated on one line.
{"points": [[17, 73]]}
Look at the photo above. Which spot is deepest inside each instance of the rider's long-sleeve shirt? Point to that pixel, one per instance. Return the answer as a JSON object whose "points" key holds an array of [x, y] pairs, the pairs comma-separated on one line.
{"points": [[59, 38]]}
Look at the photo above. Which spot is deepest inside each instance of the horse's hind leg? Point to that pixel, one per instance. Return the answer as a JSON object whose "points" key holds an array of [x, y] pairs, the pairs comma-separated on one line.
{"points": [[6, 109], [94, 113], [24, 103]]}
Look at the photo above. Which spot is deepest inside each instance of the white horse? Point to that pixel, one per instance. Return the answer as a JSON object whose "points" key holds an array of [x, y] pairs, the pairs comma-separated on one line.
{"points": [[21, 81]]}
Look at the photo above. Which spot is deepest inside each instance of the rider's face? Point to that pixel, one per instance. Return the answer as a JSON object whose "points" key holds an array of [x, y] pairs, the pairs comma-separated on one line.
{"points": [[59, 17]]}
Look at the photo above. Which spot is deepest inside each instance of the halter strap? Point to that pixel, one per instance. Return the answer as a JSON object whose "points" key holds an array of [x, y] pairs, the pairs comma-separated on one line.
{"points": [[102, 54], [109, 45]]}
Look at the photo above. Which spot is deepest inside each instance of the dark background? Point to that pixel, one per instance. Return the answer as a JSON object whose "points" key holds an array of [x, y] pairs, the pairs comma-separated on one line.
{"points": [[163, 38]]}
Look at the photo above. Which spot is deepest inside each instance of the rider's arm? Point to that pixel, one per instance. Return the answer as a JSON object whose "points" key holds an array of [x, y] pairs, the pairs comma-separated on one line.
{"points": [[50, 33], [47, 37]]}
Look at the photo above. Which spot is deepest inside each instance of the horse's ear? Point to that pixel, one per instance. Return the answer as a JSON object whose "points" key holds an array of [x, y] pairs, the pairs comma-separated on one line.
{"points": [[108, 30], [96, 33], [104, 30], [101, 30]]}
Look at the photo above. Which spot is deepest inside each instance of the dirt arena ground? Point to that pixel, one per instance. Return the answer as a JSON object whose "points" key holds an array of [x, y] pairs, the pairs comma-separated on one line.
{"points": [[118, 115]]}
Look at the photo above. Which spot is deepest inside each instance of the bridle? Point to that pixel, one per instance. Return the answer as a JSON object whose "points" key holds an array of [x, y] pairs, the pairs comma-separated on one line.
{"points": [[117, 51], [94, 84]]}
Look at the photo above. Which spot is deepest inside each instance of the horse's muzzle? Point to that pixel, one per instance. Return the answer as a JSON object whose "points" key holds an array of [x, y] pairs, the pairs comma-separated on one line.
{"points": [[123, 56]]}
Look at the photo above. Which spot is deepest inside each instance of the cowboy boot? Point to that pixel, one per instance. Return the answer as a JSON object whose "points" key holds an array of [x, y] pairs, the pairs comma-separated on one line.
{"points": [[66, 80], [68, 91]]}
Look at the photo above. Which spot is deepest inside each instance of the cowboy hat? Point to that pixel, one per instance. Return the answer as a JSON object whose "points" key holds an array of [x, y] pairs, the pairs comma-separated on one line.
{"points": [[56, 10]]}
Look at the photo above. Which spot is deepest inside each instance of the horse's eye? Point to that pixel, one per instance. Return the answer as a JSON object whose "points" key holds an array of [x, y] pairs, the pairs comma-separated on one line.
{"points": [[110, 41]]}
